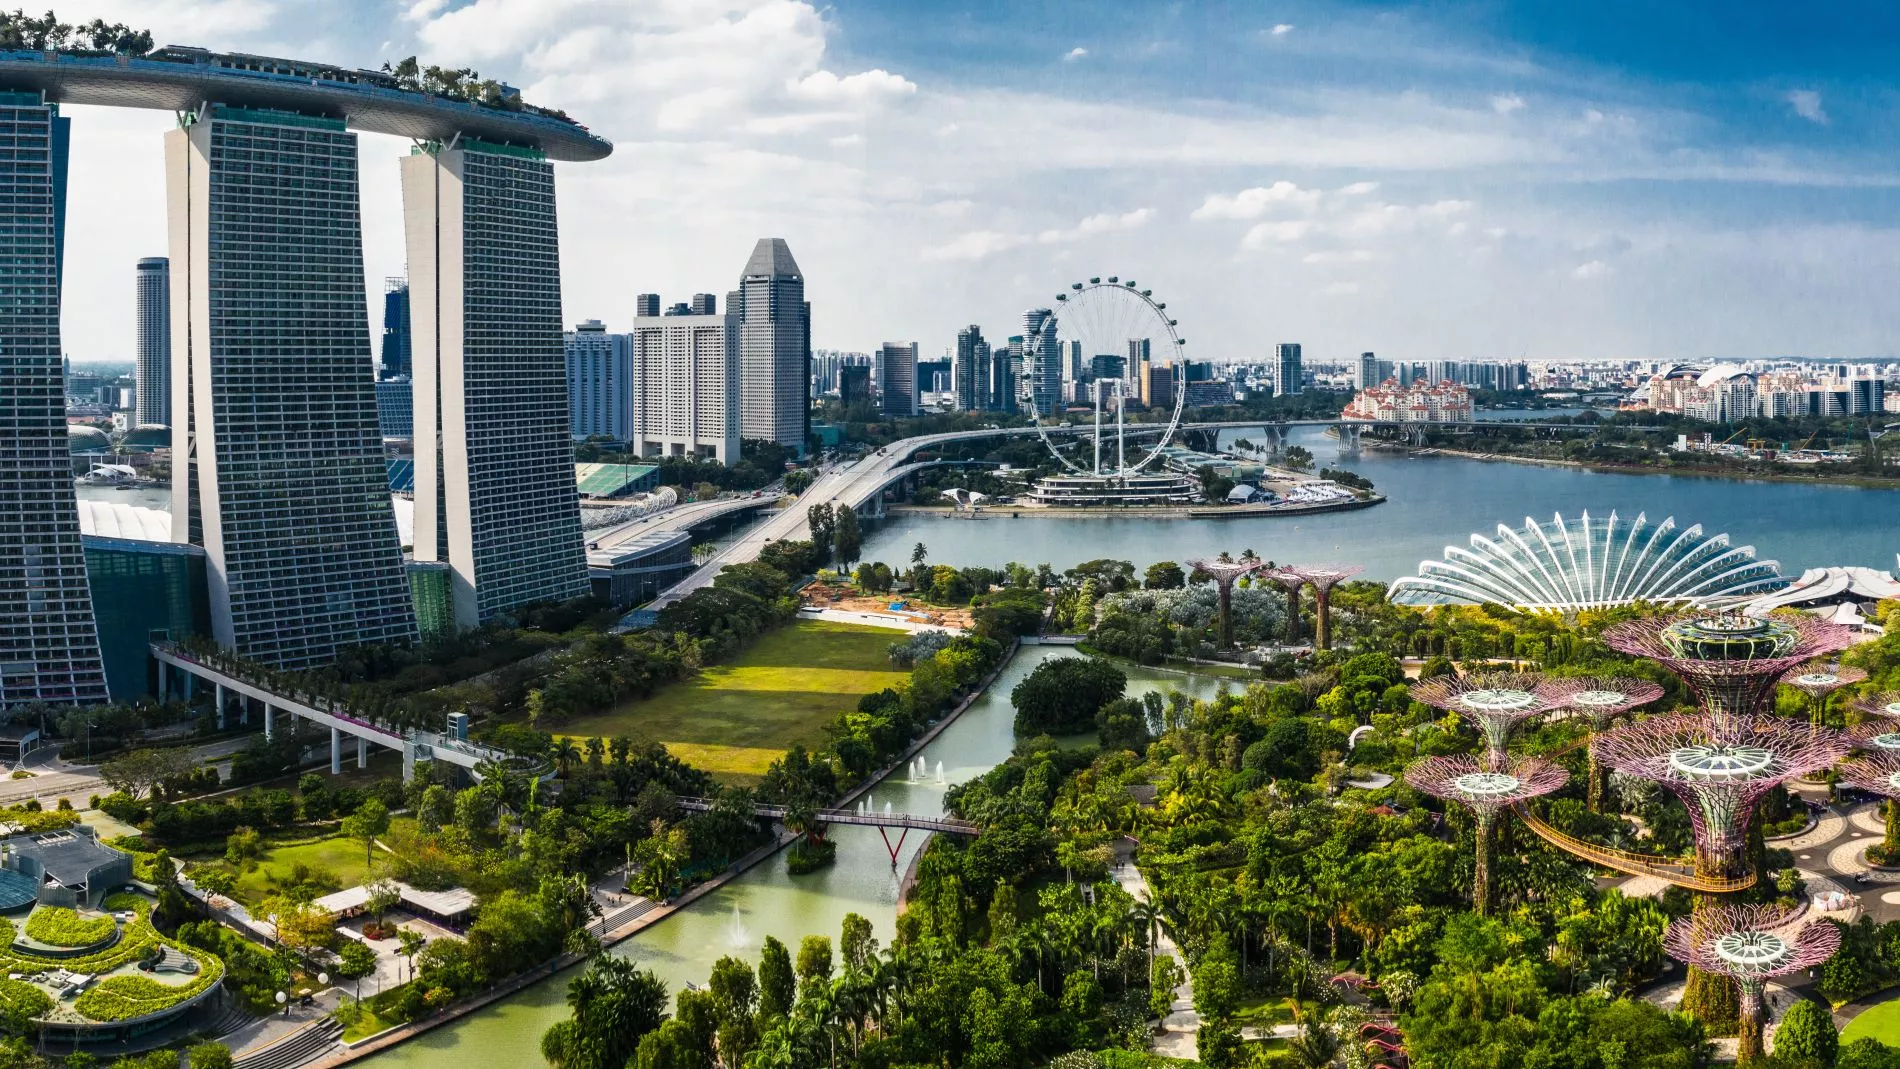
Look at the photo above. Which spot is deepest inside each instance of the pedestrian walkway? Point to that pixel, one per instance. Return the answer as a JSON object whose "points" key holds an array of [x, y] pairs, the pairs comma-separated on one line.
{"points": [[1181, 1027]]}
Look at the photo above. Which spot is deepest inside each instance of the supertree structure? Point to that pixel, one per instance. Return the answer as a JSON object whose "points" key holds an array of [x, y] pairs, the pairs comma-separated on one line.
{"points": [[1496, 701], [1731, 662], [1603, 699], [1752, 945], [1324, 578], [1224, 573], [1878, 772], [1719, 768], [1485, 787], [1818, 681], [1293, 581], [1886, 704]]}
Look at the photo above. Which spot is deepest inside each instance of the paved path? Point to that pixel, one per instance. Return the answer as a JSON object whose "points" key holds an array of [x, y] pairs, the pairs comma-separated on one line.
{"points": [[1181, 1027]]}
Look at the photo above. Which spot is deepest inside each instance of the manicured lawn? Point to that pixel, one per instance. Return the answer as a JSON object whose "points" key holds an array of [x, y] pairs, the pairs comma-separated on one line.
{"points": [[342, 858], [1881, 1022], [734, 719]]}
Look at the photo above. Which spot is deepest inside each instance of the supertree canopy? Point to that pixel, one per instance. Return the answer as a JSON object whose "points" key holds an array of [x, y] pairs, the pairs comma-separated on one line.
{"points": [[1485, 787], [1752, 945], [1602, 699], [1323, 577], [1878, 772], [1496, 701], [1292, 581], [1719, 767], [1818, 681], [1731, 662], [1886, 703], [1224, 573]]}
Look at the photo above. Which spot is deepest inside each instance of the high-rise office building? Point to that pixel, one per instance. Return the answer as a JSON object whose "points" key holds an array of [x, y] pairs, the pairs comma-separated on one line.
{"points": [[152, 373], [854, 384], [397, 340], [1108, 366], [897, 377], [1043, 359], [646, 304], [277, 463], [599, 382], [1076, 366], [49, 641], [774, 346], [1286, 380], [396, 409], [491, 383], [971, 370], [687, 373], [1367, 375], [704, 304]]}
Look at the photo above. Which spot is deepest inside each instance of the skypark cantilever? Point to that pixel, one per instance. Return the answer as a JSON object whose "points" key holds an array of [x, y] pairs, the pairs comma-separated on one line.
{"points": [[183, 79]]}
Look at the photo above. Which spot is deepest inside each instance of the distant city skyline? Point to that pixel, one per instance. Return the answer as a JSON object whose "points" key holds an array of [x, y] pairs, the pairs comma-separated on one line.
{"points": [[1442, 183]]}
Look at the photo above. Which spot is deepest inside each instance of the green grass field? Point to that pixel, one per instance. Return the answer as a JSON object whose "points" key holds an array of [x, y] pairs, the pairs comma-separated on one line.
{"points": [[342, 858], [734, 719], [1881, 1022]]}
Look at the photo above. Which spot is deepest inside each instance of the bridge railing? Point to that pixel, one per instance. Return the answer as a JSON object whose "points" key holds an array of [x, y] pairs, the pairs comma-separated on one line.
{"points": [[1679, 871]]}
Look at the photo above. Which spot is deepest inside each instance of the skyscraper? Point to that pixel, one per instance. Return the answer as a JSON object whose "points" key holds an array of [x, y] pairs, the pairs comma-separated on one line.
{"points": [[705, 304], [49, 642], [1368, 371], [774, 346], [1042, 357], [686, 374], [854, 384], [397, 340], [599, 382], [277, 464], [971, 370], [491, 381], [1286, 381], [646, 304], [152, 374], [897, 377]]}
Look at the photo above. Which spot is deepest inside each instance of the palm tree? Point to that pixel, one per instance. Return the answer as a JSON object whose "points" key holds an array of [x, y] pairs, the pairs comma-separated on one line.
{"points": [[564, 753], [1148, 917]]}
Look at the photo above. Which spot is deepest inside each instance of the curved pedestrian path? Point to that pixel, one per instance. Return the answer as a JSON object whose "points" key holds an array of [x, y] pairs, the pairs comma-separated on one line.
{"points": [[1180, 1029]]}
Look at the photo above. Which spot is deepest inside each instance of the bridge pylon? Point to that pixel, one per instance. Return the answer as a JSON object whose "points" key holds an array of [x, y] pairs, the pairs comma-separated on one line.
{"points": [[1349, 438]]}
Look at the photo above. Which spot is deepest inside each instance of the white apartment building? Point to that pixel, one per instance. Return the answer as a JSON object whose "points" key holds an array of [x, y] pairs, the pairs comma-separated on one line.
{"points": [[686, 400]]}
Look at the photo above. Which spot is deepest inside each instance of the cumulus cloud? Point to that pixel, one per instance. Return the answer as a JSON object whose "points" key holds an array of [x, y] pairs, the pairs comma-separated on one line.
{"points": [[1339, 289], [1256, 202], [1339, 256], [1279, 232], [1283, 29], [979, 244], [1506, 103], [1101, 223], [1807, 104], [1076, 53], [1359, 189]]}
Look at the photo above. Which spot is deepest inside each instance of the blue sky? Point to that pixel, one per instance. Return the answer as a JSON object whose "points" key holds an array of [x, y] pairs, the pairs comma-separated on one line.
{"points": [[1447, 180]]}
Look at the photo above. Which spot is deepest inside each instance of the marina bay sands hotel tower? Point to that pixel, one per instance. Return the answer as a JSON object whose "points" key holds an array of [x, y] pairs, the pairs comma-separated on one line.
{"points": [[277, 463]]}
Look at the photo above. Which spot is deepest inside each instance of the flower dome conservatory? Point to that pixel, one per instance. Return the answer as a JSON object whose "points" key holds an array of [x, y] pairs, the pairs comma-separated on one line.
{"points": [[1591, 564]]}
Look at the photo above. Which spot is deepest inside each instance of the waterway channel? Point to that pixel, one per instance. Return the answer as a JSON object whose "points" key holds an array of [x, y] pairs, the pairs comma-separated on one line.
{"points": [[1431, 502], [766, 900]]}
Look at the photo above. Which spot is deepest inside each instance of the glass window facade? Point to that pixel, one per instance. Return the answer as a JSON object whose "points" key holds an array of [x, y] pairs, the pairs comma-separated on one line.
{"points": [[143, 590]]}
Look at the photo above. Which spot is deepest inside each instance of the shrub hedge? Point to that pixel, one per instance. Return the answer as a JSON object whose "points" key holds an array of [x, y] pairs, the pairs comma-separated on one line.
{"points": [[62, 927]]}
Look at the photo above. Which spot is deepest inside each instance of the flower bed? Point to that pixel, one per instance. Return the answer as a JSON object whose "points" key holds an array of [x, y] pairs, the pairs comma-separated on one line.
{"points": [[61, 927]]}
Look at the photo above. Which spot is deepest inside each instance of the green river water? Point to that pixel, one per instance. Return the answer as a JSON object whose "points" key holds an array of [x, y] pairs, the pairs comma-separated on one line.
{"points": [[765, 900]]}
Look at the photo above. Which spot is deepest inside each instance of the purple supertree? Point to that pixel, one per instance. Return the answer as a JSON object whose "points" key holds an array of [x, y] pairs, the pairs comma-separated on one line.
{"points": [[1886, 703], [1603, 699], [1731, 662], [1818, 681], [1719, 770], [1292, 580], [1485, 788], [1497, 701], [1878, 772], [1324, 577], [1751, 945], [1224, 573]]}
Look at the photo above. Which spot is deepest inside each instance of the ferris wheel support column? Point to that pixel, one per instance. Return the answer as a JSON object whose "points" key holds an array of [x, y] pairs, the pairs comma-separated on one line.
{"points": [[1121, 409], [1097, 470]]}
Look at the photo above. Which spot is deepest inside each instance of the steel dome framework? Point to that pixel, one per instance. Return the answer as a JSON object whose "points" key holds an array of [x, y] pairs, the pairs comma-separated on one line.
{"points": [[1585, 563]]}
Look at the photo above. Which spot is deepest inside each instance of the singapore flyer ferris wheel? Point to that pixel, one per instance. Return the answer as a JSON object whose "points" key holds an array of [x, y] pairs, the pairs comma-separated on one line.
{"points": [[1117, 345]]}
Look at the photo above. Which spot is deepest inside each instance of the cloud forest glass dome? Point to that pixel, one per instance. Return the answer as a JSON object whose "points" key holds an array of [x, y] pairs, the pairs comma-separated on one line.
{"points": [[1589, 564]]}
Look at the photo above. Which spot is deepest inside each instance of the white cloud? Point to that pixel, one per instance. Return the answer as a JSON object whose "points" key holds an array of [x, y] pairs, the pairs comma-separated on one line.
{"points": [[978, 244], [1280, 232], [974, 245], [1101, 223], [1256, 202], [1339, 256], [1076, 53], [1807, 104], [1506, 103], [1594, 269], [848, 140], [1283, 29], [952, 209], [1359, 189], [1339, 289]]}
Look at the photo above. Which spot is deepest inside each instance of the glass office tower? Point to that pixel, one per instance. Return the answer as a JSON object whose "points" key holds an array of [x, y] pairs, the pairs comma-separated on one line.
{"points": [[495, 494], [277, 463], [49, 645]]}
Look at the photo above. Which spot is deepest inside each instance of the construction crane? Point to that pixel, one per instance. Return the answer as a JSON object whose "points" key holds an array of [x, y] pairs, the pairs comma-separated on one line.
{"points": [[1739, 431]]}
